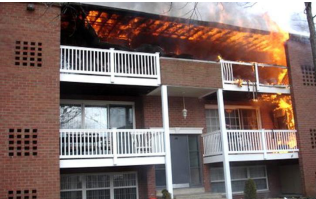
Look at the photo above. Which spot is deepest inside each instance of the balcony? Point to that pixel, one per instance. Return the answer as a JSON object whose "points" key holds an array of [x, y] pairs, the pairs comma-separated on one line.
{"points": [[251, 145], [111, 147], [92, 65], [254, 77]]}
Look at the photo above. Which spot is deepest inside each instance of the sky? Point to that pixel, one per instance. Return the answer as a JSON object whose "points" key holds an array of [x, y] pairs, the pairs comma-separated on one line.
{"points": [[288, 16]]}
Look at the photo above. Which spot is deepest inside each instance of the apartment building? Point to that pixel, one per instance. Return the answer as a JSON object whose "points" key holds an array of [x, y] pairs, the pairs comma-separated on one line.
{"points": [[106, 103]]}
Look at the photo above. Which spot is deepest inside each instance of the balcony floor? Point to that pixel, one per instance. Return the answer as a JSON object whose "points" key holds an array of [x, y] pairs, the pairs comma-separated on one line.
{"points": [[251, 157], [110, 162], [107, 80]]}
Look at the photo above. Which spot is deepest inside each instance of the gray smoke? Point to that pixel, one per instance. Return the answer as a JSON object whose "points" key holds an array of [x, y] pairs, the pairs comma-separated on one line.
{"points": [[288, 15]]}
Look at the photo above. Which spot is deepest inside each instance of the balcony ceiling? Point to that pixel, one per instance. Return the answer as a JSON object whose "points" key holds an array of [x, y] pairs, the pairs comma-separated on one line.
{"points": [[90, 89], [183, 91]]}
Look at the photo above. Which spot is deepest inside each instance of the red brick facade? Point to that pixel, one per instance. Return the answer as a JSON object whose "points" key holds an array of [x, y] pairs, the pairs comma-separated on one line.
{"points": [[299, 56], [29, 156], [179, 72]]}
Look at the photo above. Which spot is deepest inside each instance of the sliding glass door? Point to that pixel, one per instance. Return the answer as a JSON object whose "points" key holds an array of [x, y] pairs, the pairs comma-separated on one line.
{"points": [[89, 116]]}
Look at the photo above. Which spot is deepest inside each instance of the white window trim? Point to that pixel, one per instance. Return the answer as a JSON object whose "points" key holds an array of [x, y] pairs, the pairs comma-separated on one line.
{"points": [[100, 103], [234, 107], [84, 189], [248, 177]]}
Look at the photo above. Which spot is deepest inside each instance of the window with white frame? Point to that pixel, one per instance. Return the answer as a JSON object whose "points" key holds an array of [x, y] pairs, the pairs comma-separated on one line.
{"points": [[99, 186], [95, 116], [237, 118], [239, 176]]}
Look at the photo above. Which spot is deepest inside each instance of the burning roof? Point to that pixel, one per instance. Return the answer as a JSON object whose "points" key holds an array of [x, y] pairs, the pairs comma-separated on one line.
{"points": [[201, 40]]}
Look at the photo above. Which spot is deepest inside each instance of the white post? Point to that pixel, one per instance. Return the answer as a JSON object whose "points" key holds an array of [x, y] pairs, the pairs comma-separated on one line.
{"points": [[257, 76], [264, 145], [112, 64], [222, 123], [165, 121], [114, 146]]}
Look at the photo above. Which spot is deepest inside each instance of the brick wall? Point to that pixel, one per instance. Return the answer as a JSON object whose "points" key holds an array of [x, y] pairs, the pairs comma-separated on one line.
{"points": [[182, 72], [29, 100], [299, 54]]}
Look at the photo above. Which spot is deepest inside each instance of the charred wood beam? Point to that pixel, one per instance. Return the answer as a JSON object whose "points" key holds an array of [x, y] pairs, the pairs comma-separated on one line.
{"points": [[103, 23], [118, 20]]}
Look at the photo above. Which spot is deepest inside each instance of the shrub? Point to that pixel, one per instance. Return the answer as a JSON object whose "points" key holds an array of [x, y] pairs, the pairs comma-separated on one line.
{"points": [[250, 191], [165, 194]]}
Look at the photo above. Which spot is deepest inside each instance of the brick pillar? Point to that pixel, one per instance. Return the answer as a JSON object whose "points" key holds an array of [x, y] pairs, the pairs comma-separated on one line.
{"points": [[303, 90], [206, 177], [151, 182]]}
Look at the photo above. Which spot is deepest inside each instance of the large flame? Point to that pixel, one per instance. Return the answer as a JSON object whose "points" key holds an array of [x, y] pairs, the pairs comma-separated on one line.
{"points": [[284, 103], [116, 27]]}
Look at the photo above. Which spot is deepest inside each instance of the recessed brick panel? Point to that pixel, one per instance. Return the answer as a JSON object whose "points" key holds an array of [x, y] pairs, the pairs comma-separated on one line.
{"points": [[308, 73], [22, 142], [22, 194], [28, 53]]}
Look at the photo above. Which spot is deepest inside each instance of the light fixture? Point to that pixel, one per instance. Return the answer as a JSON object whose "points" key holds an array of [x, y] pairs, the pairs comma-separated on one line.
{"points": [[184, 111], [30, 7]]}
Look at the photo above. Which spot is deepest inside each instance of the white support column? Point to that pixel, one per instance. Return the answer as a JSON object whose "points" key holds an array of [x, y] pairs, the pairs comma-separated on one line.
{"points": [[165, 120], [264, 144], [257, 76], [222, 123]]}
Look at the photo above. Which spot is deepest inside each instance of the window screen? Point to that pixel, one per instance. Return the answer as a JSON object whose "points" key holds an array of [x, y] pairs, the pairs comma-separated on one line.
{"points": [[239, 176], [99, 186]]}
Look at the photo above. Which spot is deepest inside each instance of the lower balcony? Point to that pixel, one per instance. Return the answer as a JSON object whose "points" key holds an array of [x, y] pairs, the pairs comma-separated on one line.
{"points": [[251, 145], [111, 147]]}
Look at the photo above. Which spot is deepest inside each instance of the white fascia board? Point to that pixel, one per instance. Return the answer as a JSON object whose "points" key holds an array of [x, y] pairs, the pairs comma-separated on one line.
{"points": [[108, 162]]}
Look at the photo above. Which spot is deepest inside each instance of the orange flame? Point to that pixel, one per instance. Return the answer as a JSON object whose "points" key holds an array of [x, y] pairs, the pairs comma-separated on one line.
{"points": [[283, 103], [112, 26]]}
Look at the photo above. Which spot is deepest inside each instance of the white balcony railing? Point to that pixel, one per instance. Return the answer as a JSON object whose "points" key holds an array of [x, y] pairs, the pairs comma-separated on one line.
{"points": [[111, 143], [212, 143], [110, 63], [257, 77], [251, 142]]}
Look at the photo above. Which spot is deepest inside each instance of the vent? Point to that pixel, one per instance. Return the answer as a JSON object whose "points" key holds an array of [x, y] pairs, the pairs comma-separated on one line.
{"points": [[22, 142], [313, 137], [22, 194], [308, 73], [28, 53]]}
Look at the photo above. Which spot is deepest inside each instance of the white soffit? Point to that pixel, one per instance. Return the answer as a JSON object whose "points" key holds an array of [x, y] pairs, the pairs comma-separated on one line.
{"points": [[186, 130], [182, 91], [183, 130]]}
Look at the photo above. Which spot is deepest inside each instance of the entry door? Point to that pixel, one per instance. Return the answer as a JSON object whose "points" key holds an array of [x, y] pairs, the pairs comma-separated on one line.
{"points": [[180, 160], [186, 168]]}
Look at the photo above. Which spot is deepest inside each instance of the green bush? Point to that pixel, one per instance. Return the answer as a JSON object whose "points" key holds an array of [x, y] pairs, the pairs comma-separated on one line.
{"points": [[165, 194], [250, 191]]}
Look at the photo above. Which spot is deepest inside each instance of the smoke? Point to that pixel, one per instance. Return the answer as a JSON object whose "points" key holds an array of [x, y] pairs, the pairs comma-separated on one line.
{"points": [[289, 16]]}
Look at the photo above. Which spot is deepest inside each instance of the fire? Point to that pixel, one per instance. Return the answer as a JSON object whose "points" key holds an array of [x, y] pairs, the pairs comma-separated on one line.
{"points": [[118, 28], [283, 104], [279, 37]]}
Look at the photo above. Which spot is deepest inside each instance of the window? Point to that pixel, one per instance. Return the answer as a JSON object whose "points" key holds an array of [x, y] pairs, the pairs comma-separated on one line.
{"points": [[99, 186], [239, 176], [235, 119], [194, 156], [88, 116]]}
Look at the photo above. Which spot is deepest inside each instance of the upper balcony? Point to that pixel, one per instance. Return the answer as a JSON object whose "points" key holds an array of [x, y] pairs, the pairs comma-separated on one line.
{"points": [[250, 145], [254, 77], [93, 65]]}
